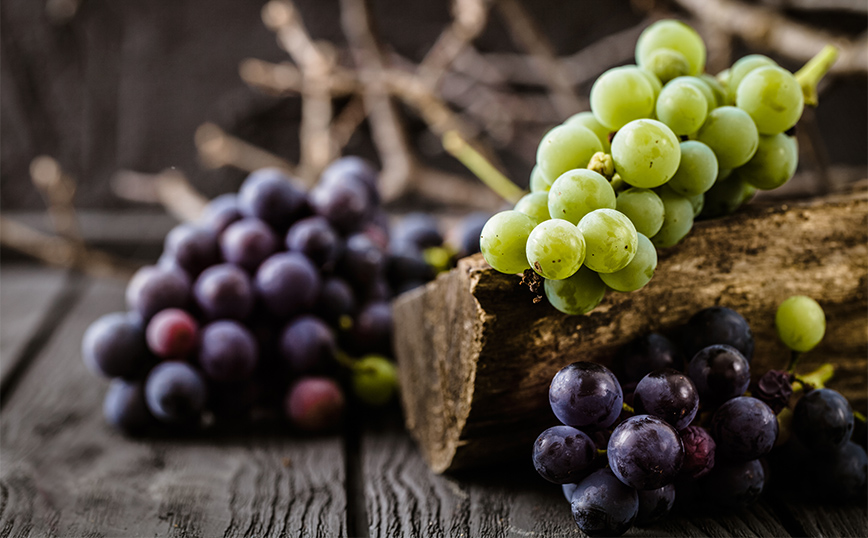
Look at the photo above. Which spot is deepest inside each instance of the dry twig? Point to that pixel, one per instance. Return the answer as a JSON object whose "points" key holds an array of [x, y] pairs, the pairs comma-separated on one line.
{"points": [[58, 191], [170, 188], [469, 19], [217, 149]]}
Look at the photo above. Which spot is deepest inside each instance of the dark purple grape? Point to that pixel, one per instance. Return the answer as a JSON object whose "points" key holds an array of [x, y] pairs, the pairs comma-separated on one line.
{"points": [[193, 247], [114, 346], [823, 420], [603, 506], [406, 263], [718, 325], [586, 395], [307, 344], [175, 392], [220, 213], [372, 328], [269, 194], [224, 291], [315, 238], [155, 288], [568, 490], [352, 169], [228, 351], [734, 484], [346, 204], [419, 230], [248, 242], [699, 449], [464, 236], [172, 333], [774, 388], [563, 454], [125, 409], [287, 283], [377, 291], [667, 394], [655, 504], [841, 475], [719, 372], [646, 354], [315, 404], [744, 428], [645, 452], [409, 285], [336, 299], [362, 261]]}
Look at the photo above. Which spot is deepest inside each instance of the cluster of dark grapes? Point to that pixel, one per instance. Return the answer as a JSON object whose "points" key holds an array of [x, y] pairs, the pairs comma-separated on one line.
{"points": [[261, 304], [625, 447]]}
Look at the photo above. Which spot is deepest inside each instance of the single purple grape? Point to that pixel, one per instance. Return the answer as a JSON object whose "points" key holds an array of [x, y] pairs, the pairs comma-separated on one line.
{"points": [[154, 288], [823, 420], [307, 344], [172, 333], [224, 291], [744, 428], [220, 213], [125, 408], [315, 238], [193, 247], [248, 242], [667, 394], [270, 195], [563, 454], [586, 395], [228, 351], [175, 392], [645, 452], [287, 284], [603, 506], [718, 325], [655, 504], [699, 450], [114, 346], [315, 404], [336, 299], [645, 354], [719, 372], [734, 484]]}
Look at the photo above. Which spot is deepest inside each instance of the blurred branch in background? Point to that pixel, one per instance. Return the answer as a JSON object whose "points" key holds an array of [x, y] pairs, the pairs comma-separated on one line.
{"points": [[169, 188]]}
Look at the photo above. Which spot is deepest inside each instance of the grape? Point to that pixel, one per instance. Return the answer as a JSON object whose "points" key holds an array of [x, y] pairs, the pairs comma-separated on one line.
{"points": [[603, 506], [538, 181], [586, 395], [698, 203], [621, 95], [774, 388], [578, 294], [674, 35], [702, 86], [717, 89], [124, 407], [586, 119], [645, 452], [646, 153], [345, 204], [407, 263], [306, 344], [644, 209], [655, 504], [372, 328], [772, 97], [666, 64], [699, 452], [638, 272], [744, 428], [725, 197], [420, 230], [568, 490], [503, 241], [842, 475], [175, 392], [315, 404], [220, 213], [677, 220], [336, 299], [464, 237], [193, 248], [555, 249], [353, 169], [734, 484], [375, 380], [269, 195], [682, 107], [578, 192], [719, 372], [172, 333], [535, 205], [740, 70], [611, 240], [362, 261], [773, 164], [697, 171], [155, 288], [287, 283], [667, 394], [315, 238], [652, 79], [224, 291], [823, 420], [228, 351], [645, 354], [564, 148], [718, 325], [731, 135], [114, 345], [248, 242], [801, 323], [563, 454], [377, 291]]}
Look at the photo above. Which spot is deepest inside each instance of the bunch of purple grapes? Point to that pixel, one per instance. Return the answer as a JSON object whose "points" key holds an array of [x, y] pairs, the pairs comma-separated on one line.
{"points": [[626, 446], [260, 305]]}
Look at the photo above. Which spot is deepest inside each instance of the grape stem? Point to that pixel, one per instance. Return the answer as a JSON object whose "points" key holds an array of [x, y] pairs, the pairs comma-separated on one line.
{"points": [[794, 360], [812, 72], [859, 416], [628, 409], [481, 168], [818, 378], [601, 451], [345, 360]]}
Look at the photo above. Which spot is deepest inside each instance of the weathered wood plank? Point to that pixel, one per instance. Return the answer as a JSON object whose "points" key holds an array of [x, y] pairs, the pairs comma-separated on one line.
{"points": [[850, 519]]}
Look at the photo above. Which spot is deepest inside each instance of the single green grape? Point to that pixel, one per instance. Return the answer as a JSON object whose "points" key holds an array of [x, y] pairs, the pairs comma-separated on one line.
{"points": [[697, 171], [555, 249], [638, 272], [675, 35], [716, 88], [535, 205], [578, 294], [538, 180], [772, 97], [723, 78], [375, 380], [726, 196], [774, 162], [503, 241], [586, 119], [621, 95], [801, 323], [646, 153], [698, 202], [702, 86], [667, 64], [566, 147], [652, 79], [610, 240], [644, 209], [678, 219], [723, 173], [740, 69], [578, 192], [731, 134], [682, 106]]}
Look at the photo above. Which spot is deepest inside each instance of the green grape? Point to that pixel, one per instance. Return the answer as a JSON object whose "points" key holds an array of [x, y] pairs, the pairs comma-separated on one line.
{"points": [[726, 196], [675, 35], [621, 95], [667, 64], [555, 249], [375, 380], [646, 153], [716, 88], [644, 209], [538, 180], [587, 120], [740, 69], [652, 79], [723, 78], [700, 85], [503, 240], [566, 147], [578, 294], [698, 202], [610, 240], [638, 272], [801, 323], [678, 219], [577, 193], [772, 97], [697, 171], [731, 135], [682, 106], [535, 205], [723, 173], [774, 162]]}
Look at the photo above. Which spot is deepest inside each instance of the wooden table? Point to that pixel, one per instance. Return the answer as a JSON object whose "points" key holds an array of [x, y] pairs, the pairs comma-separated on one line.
{"points": [[63, 472]]}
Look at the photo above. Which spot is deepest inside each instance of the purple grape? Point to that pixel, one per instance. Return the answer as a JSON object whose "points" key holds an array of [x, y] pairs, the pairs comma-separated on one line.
{"points": [[842, 474], [744, 428], [823, 420], [193, 247], [336, 299], [419, 230], [172, 333], [248, 242], [645, 452], [114, 346], [586, 395], [568, 490], [353, 169], [563, 454], [155, 288], [220, 213], [269, 195], [315, 238], [372, 328], [228, 351], [315, 404], [774, 388], [699, 450], [655, 504], [346, 204], [667, 394], [287, 283], [646, 354], [734, 484], [603, 506], [306, 344], [175, 392], [719, 372], [125, 409], [718, 325], [224, 291], [464, 236], [406, 263], [362, 261], [377, 291]]}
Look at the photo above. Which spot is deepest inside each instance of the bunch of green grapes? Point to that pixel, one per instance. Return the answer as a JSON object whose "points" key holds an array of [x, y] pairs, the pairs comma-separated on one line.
{"points": [[663, 144]]}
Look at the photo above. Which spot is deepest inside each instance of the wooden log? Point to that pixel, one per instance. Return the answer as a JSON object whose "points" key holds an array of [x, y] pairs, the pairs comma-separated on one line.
{"points": [[476, 356]]}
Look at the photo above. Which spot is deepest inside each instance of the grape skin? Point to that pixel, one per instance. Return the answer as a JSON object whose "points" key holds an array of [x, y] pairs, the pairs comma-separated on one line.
{"points": [[175, 392], [800, 322], [674, 35], [555, 249], [621, 95], [682, 107], [823, 420], [636, 274], [154, 288], [375, 380], [643, 207], [773, 164], [734, 484], [503, 241], [697, 171], [719, 372], [224, 291], [677, 220], [655, 504], [731, 134], [726, 196], [578, 192], [611, 240], [646, 153], [718, 325], [566, 147], [740, 69], [287, 283], [228, 351], [744, 428], [125, 408], [562, 454], [534, 205], [603, 506], [172, 333], [667, 394], [772, 97], [645, 452], [114, 346], [586, 395], [248, 242], [315, 404], [578, 294], [586, 119], [647, 353]]}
